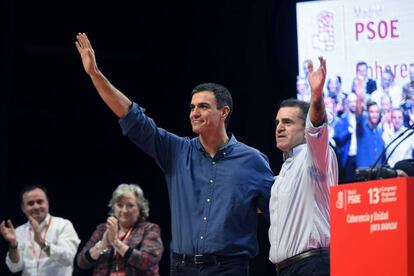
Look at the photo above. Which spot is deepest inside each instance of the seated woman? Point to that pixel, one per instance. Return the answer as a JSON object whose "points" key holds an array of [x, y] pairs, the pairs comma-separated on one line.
{"points": [[127, 244]]}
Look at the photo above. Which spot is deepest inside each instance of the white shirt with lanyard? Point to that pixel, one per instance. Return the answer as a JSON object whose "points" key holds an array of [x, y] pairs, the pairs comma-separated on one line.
{"points": [[63, 244]]}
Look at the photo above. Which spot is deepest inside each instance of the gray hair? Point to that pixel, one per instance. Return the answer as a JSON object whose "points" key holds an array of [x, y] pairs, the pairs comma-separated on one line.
{"points": [[134, 189]]}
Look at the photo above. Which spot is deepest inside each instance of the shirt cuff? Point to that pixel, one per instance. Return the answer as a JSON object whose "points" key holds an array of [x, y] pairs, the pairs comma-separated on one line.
{"points": [[129, 119], [89, 257], [310, 126]]}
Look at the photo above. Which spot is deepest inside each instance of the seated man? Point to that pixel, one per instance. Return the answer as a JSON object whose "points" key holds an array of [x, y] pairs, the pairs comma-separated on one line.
{"points": [[45, 245]]}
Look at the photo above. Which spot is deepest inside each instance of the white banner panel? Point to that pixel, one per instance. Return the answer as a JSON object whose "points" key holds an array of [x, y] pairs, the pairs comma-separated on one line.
{"points": [[379, 32]]}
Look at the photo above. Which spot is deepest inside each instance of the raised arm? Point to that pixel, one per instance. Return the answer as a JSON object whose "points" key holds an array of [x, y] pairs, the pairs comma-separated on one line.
{"points": [[321, 155], [360, 93], [114, 98], [316, 80]]}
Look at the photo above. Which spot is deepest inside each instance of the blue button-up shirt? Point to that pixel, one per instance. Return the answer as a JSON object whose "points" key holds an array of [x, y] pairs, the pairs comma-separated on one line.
{"points": [[213, 201], [369, 142]]}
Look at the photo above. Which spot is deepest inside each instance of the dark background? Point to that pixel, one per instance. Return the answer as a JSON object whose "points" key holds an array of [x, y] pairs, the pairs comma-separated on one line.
{"points": [[57, 132]]}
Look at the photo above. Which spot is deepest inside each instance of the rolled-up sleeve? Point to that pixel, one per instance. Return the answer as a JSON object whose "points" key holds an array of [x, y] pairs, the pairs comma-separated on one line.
{"points": [[15, 267]]}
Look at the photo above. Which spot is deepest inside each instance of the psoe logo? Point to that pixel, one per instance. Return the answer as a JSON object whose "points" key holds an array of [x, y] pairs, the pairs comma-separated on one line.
{"points": [[324, 39], [340, 200]]}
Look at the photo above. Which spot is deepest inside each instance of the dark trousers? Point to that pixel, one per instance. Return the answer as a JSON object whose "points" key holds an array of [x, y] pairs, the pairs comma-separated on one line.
{"points": [[233, 267], [314, 265]]}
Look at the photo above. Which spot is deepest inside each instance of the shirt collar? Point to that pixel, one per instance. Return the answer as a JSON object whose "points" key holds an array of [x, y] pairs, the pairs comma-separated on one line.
{"points": [[294, 151], [226, 149], [45, 221]]}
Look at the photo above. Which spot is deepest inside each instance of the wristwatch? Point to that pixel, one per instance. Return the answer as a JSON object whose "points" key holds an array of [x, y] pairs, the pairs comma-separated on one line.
{"points": [[45, 246]]}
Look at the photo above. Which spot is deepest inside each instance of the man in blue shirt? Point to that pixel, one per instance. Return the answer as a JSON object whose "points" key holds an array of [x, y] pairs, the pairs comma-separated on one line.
{"points": [[369, 133], [215, 183]]}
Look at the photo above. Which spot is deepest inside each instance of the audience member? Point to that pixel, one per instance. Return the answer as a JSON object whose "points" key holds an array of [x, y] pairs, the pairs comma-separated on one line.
{"points": [[45, 245], [408, 88], [386, 111], [127, 244], [346, 139], [408, 99], [302, 89], [332, 119], [388, 88], [362, 81], [368, 132], [403, 147]]}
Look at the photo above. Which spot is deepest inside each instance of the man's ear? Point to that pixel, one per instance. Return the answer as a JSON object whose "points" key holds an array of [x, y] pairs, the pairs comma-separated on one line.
{"points": [[225, 111]]}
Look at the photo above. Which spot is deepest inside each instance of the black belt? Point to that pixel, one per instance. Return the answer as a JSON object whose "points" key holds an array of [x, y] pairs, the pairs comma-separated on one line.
{"points": [[297, 258], [205, 259]]}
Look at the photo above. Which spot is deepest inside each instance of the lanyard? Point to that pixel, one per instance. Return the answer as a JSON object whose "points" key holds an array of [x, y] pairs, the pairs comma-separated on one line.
{"points": [[117, 256], [45, 230]]}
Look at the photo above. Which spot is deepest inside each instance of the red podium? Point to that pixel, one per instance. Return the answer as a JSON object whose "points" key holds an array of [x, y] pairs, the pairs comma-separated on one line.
{"points": [[372, 228]]}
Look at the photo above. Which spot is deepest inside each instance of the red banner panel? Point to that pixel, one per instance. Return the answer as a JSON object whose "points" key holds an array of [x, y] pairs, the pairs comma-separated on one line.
{"points": [[372, 228]]}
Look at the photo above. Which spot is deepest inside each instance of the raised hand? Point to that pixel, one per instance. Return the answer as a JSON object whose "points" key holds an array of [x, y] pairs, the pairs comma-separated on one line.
{"points": [[8, 232], [35, 225], [87, 54], [317, 78]]}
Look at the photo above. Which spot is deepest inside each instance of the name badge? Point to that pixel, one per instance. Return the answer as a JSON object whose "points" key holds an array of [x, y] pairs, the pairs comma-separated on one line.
{"points": [[118, 273]]}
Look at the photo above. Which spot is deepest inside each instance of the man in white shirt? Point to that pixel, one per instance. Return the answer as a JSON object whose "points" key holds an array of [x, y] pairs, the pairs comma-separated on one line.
{"points": [[299, 233], [403, 147], [388, 88], [45, 245], [346, 139]]}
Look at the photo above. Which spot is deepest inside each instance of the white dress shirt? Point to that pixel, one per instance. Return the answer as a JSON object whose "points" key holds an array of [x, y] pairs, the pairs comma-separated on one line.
{"points": [[63, 242], [299, 203], [395, 93], [352, 129], [400, 151]]}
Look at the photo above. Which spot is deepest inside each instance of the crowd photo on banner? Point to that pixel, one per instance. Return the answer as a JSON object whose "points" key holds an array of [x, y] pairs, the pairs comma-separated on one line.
{"points": [[371, 121]]}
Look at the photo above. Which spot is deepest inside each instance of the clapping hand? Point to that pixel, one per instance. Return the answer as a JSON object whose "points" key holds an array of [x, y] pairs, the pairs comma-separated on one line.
{"points": [[8, 232], [112, 229], [36, 230]]}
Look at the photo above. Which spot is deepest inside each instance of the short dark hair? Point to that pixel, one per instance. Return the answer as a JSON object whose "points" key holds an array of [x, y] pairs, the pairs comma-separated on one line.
{"points": [[388, 70], [370, 103], [302, 105], [29, 188], [221, 93], [361, 63]]}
